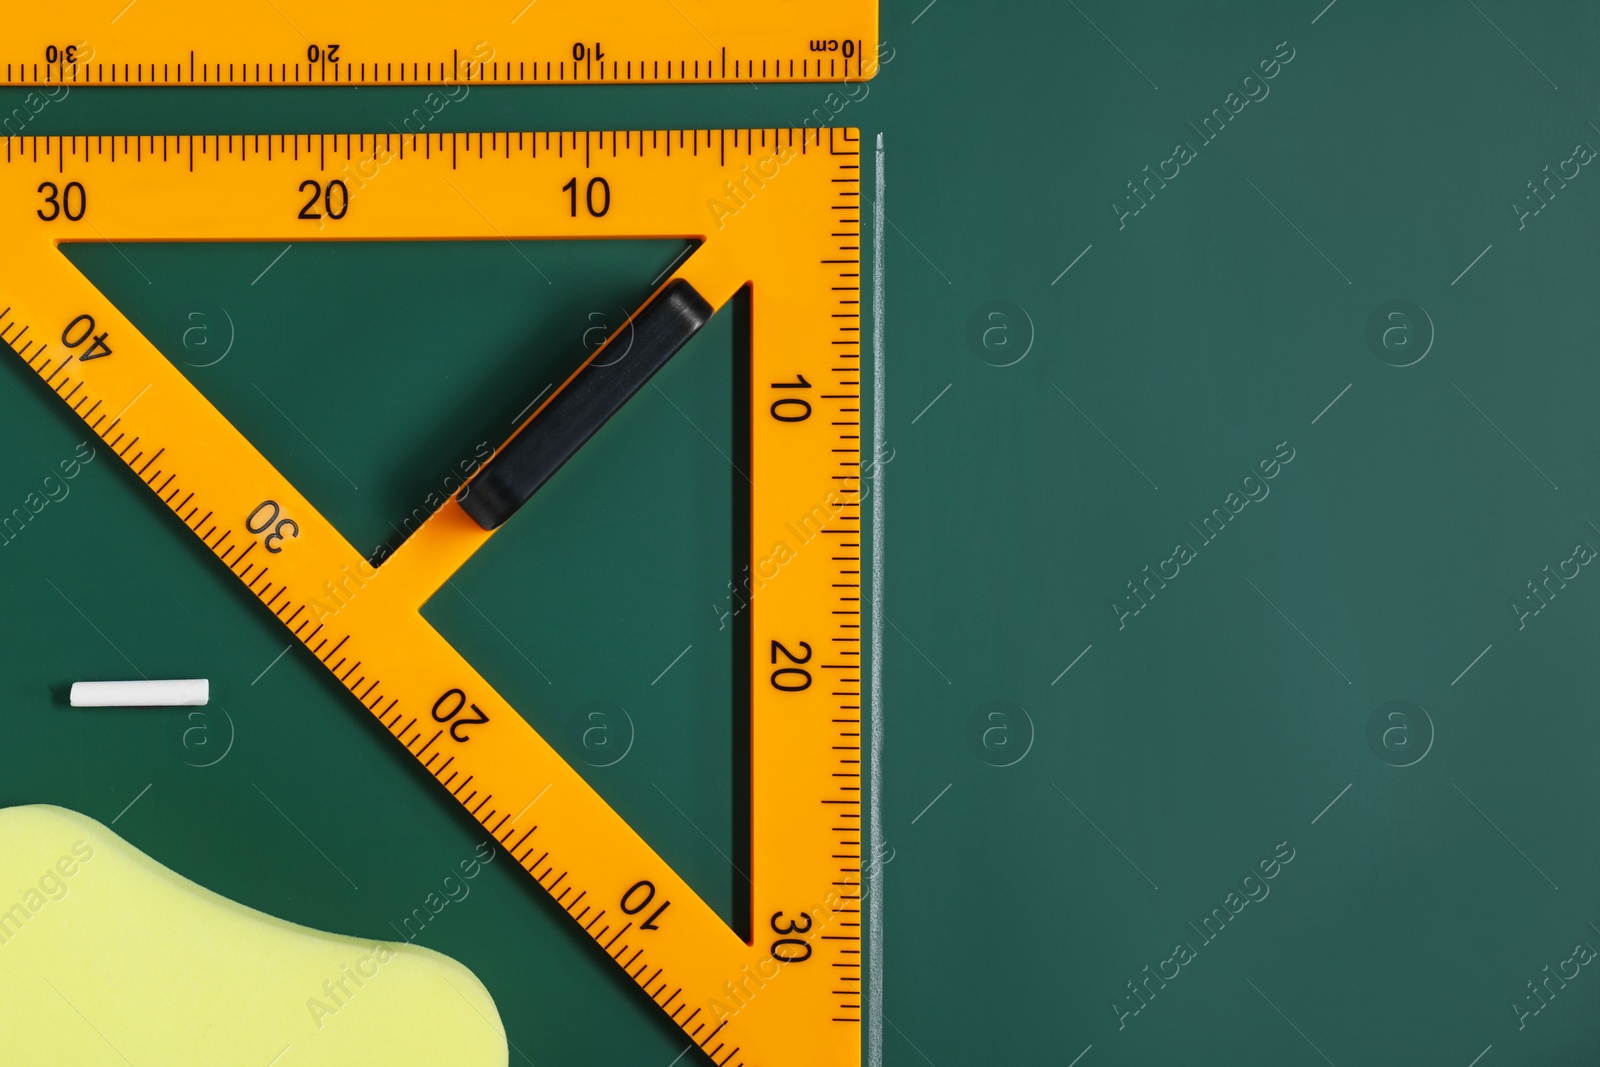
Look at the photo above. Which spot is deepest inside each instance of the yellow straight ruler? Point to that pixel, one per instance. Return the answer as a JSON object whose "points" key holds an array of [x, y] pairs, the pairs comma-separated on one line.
{"points": [[774, 210], [394, 42]]}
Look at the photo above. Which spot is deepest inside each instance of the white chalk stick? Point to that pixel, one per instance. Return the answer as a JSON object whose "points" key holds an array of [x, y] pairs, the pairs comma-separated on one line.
{"points": [[167, 693]]}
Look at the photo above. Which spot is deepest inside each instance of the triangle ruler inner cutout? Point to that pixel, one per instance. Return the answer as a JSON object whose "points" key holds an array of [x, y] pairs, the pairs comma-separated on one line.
{"points": [[776, 213], [451, 340]]}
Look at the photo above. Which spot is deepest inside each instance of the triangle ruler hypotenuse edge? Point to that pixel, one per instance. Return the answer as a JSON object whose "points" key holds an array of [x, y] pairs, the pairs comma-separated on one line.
{"points": [[775, 210]]}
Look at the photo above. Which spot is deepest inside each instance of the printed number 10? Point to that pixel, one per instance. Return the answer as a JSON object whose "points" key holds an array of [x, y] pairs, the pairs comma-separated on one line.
{"points": [[598, 190]]}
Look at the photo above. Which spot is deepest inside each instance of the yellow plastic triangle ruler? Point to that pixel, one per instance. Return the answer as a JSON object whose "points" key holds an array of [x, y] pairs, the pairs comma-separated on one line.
{"points": [[394, 42], [775, 210]]}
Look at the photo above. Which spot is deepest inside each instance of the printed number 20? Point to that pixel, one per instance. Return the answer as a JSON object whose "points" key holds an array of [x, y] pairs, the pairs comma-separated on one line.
{"points": [[335, 206], [446, 711], [791, 679]]}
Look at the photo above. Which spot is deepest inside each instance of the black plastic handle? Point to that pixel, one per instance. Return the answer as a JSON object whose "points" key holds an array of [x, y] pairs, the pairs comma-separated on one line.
{"points": [[540, 447]]}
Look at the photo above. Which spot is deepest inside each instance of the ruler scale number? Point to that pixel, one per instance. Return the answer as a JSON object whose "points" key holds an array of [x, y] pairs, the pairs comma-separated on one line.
{"points": [[775, 210], [406, 42]]}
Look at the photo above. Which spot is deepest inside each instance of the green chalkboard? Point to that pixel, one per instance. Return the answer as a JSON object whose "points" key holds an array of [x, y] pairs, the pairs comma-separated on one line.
{"points": [[1239, 658]]}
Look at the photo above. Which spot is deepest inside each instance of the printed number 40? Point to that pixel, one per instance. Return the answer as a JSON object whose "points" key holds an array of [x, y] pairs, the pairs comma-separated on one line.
{"points": [[78, 331]]}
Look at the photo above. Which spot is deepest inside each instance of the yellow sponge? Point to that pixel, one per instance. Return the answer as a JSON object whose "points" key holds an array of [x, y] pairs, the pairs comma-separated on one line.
{"points": [[107, 957]]}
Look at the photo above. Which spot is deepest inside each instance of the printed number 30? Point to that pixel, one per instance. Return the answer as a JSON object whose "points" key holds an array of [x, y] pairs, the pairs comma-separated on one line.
{"points": [[73, 201], [264, 520]]}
